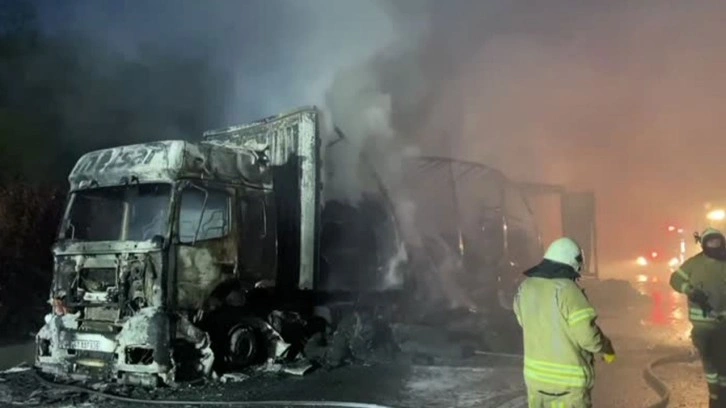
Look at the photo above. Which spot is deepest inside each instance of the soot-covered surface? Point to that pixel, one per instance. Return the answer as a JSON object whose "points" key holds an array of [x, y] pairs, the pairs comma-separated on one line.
{"points": [[641, 328], [485, 383]]}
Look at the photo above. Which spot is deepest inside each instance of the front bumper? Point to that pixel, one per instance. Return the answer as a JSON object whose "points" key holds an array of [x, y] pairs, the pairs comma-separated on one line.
{"points": [[137, 353]]}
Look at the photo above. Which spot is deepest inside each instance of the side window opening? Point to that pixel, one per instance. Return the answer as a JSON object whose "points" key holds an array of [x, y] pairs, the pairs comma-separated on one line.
{"points": [[203, 215], [253, 213]]}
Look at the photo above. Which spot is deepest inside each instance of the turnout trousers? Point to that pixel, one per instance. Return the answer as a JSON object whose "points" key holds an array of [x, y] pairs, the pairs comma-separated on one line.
{"points": [[574, 398], [710, 340]]}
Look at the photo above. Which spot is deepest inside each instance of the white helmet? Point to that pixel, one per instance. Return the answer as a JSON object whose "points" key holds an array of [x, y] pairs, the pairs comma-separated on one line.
{"points": [[565, 251], [710, 231], [708, 234]]}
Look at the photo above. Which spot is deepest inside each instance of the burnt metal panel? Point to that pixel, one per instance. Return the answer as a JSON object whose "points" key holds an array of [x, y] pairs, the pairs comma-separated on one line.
{"points": [[155, 162], [289, 143], [534, 189], [166, 161], [452, 194], [578, 222]]}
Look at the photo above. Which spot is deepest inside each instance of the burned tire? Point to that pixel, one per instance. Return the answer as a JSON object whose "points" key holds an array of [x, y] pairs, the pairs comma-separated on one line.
{"points": [[243, 348]]}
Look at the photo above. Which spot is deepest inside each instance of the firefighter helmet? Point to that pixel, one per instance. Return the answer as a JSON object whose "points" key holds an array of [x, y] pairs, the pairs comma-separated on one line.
{"points": [[710, 231], [711, 237], [565, 251]]}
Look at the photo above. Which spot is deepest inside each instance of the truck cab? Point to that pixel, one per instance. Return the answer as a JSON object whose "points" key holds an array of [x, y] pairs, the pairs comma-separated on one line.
{"points": [[156, 236]]}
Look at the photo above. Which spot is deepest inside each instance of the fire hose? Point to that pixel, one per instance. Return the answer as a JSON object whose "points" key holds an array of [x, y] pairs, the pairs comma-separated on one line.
{"points": [[651, 379], [656, 383], [119, 398]]}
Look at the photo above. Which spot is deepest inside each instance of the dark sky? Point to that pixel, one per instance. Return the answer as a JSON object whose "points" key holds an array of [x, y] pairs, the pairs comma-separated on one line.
{"points": [[283, 52], [623, 98]]}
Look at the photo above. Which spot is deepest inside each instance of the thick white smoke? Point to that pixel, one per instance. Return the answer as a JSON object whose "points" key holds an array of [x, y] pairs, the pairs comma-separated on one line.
{"points": [[611, 96], [363, 153], [553, 91]]}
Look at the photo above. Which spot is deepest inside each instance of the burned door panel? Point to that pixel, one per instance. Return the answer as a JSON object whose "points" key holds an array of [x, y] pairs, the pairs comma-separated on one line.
{"points": [[258, 236], [207, 250]]}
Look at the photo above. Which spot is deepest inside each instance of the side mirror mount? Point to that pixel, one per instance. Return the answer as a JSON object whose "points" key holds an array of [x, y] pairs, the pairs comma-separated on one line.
{"points": [[158, 241]]}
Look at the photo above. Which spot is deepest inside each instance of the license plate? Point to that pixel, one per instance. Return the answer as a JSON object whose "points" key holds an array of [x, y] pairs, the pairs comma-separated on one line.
{"points": [[89, 345]]}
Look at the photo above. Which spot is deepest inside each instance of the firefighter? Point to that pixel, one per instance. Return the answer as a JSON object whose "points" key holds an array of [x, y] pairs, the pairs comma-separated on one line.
{"points": [[561, 337], [702, 278]]}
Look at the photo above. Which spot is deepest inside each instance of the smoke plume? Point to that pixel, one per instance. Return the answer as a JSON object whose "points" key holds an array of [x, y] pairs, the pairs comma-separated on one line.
{"points": [[621, 98]]}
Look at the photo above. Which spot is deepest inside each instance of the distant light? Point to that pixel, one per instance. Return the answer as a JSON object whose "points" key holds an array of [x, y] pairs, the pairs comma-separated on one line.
{"points": [[716, 215], [642, 278], [671, 228], [653, 254], [641, 261], [680, 230], [673, 262]]}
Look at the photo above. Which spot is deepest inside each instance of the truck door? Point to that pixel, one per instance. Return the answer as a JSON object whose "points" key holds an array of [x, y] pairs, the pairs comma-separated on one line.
{"points": [[207, 249], [257, 231]]}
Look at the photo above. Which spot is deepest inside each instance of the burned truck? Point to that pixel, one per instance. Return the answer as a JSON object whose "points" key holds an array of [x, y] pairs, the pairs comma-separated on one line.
{"points": [[478, 228], [174, 258]]}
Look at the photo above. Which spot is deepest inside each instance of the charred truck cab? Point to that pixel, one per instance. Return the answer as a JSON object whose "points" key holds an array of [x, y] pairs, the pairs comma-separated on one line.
{"points": [[158, 238]]}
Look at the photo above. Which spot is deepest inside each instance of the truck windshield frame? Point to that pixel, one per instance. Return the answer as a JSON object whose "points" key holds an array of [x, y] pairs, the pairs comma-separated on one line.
{"points": [[204, 214], [131, 212]]}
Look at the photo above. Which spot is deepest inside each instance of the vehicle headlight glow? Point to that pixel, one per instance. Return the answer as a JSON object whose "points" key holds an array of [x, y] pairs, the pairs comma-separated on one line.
{"points": [[716, 215]]}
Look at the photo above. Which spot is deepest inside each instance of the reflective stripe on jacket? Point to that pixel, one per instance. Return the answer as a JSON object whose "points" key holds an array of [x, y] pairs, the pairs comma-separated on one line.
{"points": [[560, 334], [708, 275]]}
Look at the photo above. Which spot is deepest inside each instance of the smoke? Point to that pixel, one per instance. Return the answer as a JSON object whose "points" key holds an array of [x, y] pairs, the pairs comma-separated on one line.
{"points": [[619, 98], [622, 98]]}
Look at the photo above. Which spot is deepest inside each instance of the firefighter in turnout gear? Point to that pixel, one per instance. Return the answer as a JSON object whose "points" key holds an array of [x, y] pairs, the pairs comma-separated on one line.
{"points": [[702, 278], [561, 337]]}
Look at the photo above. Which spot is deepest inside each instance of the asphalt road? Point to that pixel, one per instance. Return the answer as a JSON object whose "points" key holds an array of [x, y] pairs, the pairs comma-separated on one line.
{"points": [[643, 332], [639, 332], [15, 354]]}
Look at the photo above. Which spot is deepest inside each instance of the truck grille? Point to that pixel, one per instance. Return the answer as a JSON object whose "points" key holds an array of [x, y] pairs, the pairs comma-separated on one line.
{"points": [[97, 279], [103, 314]]}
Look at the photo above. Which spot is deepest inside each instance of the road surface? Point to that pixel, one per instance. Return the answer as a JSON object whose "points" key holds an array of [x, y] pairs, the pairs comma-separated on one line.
{"points": [[640, 332]]}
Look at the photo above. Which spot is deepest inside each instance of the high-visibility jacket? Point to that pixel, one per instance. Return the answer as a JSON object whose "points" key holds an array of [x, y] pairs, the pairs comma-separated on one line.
{"points": [[708, 275], [560, 334]]}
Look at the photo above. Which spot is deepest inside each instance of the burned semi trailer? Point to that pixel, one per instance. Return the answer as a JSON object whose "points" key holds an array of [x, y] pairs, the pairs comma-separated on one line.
{"points": [[577, 219], [478, 231], [178, 259]]}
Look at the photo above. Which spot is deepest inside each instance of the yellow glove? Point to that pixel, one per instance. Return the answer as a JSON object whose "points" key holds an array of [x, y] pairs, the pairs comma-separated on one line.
{"points": [[609, 358]]}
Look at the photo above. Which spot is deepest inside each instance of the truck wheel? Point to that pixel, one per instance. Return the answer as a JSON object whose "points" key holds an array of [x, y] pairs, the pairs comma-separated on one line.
{"points": [[243, 346]]}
